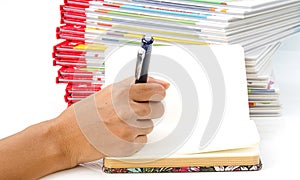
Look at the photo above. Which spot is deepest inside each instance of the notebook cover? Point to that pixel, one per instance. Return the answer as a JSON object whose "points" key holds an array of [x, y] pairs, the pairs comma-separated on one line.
{"points": [[254, 167]]}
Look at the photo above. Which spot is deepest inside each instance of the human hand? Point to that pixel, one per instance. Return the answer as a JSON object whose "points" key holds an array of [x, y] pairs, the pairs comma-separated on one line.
{"points": [[112, 122]]}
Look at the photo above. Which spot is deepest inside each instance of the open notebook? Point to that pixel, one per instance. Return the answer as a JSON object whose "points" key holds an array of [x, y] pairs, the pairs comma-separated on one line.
{"points": [[221, 137]]}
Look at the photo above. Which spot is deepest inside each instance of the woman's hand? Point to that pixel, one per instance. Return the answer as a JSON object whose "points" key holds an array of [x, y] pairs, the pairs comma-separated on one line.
{"points": [[113, 122]]}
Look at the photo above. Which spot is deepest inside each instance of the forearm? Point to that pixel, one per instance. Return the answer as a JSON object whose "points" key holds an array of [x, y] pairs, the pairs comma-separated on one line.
{"points": [[45, 148], [32, 153]]}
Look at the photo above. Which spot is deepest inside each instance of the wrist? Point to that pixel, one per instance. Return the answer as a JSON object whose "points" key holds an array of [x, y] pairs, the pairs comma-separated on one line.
{"points": [[72, 143], [62, 135]]}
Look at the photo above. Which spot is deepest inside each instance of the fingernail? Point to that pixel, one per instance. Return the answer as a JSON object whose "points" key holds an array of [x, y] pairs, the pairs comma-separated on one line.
{"points": [[167, 85]]}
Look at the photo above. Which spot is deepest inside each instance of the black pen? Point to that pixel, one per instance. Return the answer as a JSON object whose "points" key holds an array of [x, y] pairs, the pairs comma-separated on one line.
{"points": [[143, 60]]}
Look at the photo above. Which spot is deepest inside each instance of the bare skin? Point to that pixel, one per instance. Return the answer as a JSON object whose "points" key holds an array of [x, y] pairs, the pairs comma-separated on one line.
{"points": [[59, 144]]}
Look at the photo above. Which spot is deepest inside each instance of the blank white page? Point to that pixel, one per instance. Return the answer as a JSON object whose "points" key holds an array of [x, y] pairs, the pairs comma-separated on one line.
{"points": [[236, 130]]}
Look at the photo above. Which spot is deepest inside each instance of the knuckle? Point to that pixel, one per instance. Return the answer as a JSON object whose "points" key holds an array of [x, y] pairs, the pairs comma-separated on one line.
{"points": [[160, 90], [143, 139], [133, 106], [133, 91], [161, 108], [158, 110], [150, 124], [142, 109], [158, 93], [147, 128], [125, 116], [136, 89], [145, 110], [150, 129], [125, 134]]}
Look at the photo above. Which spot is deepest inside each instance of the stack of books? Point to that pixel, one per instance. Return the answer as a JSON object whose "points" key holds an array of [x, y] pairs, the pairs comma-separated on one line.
{"points": [[91, 27], [82, 68], [263, 93]]}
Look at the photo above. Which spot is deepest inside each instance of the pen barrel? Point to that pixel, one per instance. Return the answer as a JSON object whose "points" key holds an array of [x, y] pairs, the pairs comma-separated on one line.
{"points": [[145, 66]]}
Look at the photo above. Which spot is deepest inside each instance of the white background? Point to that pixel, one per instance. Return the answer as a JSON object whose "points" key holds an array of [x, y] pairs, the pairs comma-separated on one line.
{"points": [[29, 93]]}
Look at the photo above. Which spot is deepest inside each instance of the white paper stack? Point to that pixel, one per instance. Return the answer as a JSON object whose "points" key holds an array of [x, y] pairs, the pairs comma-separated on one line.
{"points": [[263, 93]]}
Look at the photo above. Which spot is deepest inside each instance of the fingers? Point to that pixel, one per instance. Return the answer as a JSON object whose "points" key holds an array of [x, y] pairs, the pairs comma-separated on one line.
{"points": [[144, 127], [153, 90], [139, 128], [166, 85], [147, 92], [141, 139], [147, 110]]}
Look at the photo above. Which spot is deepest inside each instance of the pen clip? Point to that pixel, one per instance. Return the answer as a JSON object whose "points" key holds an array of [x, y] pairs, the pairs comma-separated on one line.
{"points": [[139, 62]]}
